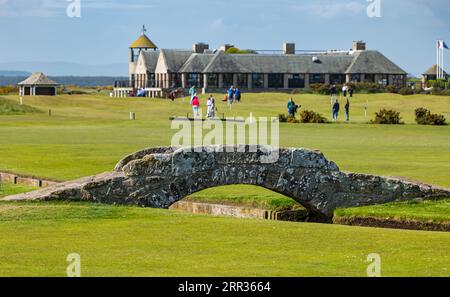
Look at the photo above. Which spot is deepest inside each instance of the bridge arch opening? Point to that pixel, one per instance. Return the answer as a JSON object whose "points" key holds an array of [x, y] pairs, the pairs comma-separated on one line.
{"points": [[246, 201]]}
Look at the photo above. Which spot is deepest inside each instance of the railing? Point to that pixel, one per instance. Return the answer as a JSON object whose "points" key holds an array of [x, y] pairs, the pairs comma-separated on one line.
{"points": [[135, 84]]}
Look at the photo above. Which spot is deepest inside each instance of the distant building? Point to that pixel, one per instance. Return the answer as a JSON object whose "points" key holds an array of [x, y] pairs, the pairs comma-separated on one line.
{"points": [[38, 84], [155, 70], [431, 74]]}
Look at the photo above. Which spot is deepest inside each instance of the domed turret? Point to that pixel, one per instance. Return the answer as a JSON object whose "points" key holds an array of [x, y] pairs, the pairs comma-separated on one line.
{"points": [[142, 43]]}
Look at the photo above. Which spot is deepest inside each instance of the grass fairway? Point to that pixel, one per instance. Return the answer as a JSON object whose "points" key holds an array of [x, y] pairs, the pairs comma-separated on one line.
{"points": [[88, 134], [127, 241]]}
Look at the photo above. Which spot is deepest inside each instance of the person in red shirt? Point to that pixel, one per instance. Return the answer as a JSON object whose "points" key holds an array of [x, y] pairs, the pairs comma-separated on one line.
{"points": [[195, 105]]}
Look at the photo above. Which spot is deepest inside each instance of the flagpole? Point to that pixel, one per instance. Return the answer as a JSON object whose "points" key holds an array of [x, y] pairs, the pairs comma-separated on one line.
{"points": [[437, 60]]}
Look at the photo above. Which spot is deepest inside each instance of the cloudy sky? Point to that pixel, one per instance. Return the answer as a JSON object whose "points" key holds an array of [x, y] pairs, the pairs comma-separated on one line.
{"points": [[40, 30]]}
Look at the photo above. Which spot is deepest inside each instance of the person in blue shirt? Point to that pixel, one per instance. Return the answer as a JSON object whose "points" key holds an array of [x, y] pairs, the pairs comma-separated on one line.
{"points": [[292, 108], [237, 95], [347, 111], [192, 91], [336, 108], [230, 96]]}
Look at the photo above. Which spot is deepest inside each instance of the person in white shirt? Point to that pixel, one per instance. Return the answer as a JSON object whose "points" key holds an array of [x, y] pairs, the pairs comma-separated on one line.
{"points": [[344, 90]]}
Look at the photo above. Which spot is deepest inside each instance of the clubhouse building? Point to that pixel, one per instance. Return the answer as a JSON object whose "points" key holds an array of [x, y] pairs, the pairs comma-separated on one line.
{"points": [[156, 70]]}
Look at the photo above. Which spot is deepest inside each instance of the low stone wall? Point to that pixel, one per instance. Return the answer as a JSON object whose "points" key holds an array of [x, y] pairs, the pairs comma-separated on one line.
{"points": [[9, 177], [239, 211], [220, 210]]}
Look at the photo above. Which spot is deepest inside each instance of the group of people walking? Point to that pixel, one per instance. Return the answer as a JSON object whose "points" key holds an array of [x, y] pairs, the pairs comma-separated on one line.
{"points": [[233, 95], [347, 91], [211, 107], [336, 107]]}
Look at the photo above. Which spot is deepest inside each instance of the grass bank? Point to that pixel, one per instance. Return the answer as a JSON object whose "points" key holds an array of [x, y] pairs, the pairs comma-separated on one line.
{"points": [[128, 241]]}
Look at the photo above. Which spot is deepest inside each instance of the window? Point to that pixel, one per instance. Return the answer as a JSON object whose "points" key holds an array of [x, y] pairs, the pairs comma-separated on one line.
{"points": [[397, 81], [355, 78], [242, 80], [383, 80], [276, 81], [227, 80], [176, 80], [297, 81], [193, 79], [213, 80], [257, 80], [369, 78], [336, 79], [316, 78]]}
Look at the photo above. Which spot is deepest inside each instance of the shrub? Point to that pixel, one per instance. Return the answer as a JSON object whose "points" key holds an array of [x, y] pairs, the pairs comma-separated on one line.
{"points": [[387, 117], [440, 92], [5, 90], [308, 116], [282, 118], [323, 89], [292, 120], [425, 117], [391, 89], [302, 91], [287, 119], [406, 91]]}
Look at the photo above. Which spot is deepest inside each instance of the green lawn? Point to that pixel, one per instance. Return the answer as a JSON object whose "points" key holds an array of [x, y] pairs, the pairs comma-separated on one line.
{"points": [[128, 241], [424, 211], [88, 134], [12, 189], [250, 196]]}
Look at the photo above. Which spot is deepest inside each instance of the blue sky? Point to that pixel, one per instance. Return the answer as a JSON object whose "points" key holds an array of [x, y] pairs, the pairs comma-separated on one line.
{"points": [[40, 30]]}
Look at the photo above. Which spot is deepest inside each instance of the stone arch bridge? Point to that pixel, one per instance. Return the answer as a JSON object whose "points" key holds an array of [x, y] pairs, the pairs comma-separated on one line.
{"points": [[159, 177]]}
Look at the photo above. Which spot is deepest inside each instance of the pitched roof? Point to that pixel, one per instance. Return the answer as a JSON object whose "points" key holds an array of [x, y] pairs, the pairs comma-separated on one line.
{"points": [[332, 63], [225, 63], [150, 59], [143, 42], [196, 63], [278, 63], [175, 59], [433, 70], [38, 78], [373, 62]]}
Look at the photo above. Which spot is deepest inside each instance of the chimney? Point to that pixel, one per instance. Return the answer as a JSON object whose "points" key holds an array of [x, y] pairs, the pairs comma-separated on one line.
{"points": [[200, 48], [289, 48], [226, 47], [359, 45]]}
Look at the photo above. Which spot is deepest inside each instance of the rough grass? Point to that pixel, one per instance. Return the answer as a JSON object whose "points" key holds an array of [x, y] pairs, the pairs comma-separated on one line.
{"points": [[424, 211], [128, 241], [9, 107]]}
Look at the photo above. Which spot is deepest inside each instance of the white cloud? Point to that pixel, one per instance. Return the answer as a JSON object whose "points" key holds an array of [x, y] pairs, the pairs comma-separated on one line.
{"points": [[333, 9], [53, 8], [217, 24]]}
